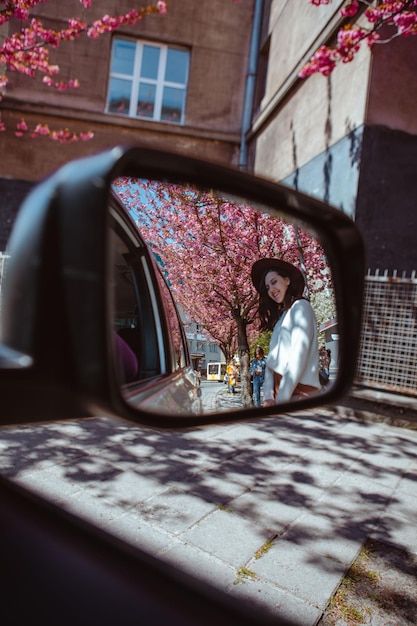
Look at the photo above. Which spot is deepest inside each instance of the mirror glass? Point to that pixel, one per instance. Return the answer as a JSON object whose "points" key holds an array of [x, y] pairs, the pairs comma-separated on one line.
{"points": [[198, 328]]}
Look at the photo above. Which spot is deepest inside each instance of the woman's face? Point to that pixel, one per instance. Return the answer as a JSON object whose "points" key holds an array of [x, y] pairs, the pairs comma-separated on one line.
{"points": [[276, 286]]}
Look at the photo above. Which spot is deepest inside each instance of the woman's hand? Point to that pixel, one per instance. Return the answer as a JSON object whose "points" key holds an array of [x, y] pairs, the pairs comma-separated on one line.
{"points": [[269, 403]]}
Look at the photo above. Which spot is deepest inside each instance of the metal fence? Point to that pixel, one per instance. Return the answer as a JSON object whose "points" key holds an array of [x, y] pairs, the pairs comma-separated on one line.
{"points": [[388, 352]]}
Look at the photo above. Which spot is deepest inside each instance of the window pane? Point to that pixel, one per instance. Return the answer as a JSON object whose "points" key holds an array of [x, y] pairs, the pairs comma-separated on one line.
{"points": [[177, 66], [119, 96], [178, 349], [150, 62], [146, 100], [172, 105], [123, 57]]}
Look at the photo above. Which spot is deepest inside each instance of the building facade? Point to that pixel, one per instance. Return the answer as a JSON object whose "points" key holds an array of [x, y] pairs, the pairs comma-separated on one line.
{"points": [[349, 138], [180, 82], [203, 349], [172, 81]]}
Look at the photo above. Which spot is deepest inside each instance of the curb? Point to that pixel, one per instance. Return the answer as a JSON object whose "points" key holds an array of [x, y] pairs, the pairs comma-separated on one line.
{"points": [[380, 406]]}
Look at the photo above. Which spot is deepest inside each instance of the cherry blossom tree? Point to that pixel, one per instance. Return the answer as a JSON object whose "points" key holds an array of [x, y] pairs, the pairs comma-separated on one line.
{"points": [[207, 244], [224, 334], [398, 17], [27, 50]]}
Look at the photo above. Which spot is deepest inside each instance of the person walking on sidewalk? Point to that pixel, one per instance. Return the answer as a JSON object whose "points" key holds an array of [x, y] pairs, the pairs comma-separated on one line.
{"points": [[231, 372], [257, 371], [292, 366]]}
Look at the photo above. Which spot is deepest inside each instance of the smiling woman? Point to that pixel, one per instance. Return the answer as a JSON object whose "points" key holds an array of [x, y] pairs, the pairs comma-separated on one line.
{"points": [[292, 366]]}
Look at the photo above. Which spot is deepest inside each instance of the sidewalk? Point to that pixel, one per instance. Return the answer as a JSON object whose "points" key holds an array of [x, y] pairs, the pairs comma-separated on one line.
{"points": [[375, 404], [271, 510]]}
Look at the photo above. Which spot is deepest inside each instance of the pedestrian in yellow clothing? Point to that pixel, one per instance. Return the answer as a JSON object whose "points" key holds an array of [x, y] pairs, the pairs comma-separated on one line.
{"points": [[231, 372]]}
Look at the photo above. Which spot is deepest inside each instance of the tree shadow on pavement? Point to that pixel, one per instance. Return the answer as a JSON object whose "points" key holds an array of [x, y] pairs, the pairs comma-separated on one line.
{"points": [[380, 588], [322, 480]]}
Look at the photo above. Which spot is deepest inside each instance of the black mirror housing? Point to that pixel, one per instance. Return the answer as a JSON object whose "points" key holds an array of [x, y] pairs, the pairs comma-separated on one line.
{"points": [[56, 309]]}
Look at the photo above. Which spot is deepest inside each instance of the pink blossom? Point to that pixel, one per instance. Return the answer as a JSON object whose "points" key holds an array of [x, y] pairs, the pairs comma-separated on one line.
{"points": [[348, 42], [323, 61], [406, 23], [22, 126], [162, 7], [350, 9], [394, 13], [21, 14], [42, 129], [93, 33], [372, 38], [77, 23]]}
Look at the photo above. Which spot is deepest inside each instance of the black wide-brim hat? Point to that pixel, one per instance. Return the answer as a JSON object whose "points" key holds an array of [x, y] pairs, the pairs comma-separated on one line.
{"points": [[261, 267]]}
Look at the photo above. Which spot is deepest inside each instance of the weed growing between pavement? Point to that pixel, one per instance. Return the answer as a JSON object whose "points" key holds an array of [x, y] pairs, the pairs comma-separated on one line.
{"points": [[222, 507], [264, 549], [243, 574], [380, 588]]}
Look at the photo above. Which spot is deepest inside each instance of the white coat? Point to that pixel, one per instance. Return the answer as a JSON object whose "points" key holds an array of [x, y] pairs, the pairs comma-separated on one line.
{"points": [[293, 352]]}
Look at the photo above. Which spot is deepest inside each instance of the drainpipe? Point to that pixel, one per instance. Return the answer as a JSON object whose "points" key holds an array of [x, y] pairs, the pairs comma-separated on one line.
{"points": [[250, 82]]}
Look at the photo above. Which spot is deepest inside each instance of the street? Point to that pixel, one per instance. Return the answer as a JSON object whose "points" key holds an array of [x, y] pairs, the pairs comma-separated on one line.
{"points": [[215, 397]]}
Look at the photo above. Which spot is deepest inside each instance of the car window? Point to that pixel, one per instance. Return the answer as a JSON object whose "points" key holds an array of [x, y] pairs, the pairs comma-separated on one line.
{"points": [[135, 317], [177, 341], [145, 315]]}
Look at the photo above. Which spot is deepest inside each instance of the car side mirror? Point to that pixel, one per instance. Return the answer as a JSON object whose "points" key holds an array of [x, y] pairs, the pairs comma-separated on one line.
{"points": [[120, 261]]}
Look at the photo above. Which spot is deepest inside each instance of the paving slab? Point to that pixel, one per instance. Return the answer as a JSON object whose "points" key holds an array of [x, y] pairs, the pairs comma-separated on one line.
{"points": [[274, 510]]}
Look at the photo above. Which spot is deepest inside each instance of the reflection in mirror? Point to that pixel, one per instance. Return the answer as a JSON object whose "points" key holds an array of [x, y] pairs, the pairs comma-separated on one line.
{"points": [[259, 332]]}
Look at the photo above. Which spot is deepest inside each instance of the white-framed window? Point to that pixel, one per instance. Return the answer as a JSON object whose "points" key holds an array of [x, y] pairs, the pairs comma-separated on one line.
{"points": [[148, 81]]}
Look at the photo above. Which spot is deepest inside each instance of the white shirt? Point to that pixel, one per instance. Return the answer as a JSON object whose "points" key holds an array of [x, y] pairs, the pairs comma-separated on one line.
{"points": [[293, 352]]}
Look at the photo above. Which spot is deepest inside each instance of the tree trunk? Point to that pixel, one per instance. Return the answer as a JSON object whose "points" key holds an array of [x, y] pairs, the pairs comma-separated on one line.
{"points": [[243, 352]]}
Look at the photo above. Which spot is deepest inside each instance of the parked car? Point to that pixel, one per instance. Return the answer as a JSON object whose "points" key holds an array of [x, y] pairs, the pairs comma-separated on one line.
{"points": [[80, 275]]}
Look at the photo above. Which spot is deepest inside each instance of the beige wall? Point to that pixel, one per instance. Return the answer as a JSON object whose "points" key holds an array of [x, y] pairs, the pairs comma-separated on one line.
{"points": [[300, 118], [320, 112], [296, 29], [217, 34]]}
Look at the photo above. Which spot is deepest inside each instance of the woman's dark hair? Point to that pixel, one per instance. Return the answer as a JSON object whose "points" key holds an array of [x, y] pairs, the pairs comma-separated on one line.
{"points": [[270, 311], [259, 349]]}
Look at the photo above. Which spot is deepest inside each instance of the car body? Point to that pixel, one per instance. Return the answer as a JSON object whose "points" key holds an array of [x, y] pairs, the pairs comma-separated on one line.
{"points": [[147, 319]]}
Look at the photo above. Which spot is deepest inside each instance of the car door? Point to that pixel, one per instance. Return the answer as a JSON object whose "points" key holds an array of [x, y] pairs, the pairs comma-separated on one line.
{"points": [[159, 373]]}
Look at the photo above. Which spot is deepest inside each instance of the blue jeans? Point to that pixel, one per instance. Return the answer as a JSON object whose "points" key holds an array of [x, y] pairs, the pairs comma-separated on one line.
{"points": [[258, 381]]}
